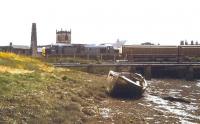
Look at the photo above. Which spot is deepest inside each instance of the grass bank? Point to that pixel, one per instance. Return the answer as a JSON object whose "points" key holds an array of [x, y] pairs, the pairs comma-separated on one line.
{"points": [[33, 91]]}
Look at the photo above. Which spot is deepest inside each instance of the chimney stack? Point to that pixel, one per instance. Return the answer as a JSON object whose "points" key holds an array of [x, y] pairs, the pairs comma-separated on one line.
{"points": [[34, 40]]}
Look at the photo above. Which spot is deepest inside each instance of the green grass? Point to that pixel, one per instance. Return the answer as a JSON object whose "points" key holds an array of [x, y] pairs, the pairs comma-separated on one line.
{"points": [[11, 84], [46, 94]]}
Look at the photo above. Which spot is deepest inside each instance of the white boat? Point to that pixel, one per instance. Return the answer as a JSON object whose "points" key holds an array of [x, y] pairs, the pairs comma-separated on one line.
{"points": [[126, 84]]}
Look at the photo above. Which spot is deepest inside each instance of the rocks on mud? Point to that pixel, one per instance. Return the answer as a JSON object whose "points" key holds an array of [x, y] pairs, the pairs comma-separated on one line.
{"points": [[175, 99], [89, 111], [73, 107]]}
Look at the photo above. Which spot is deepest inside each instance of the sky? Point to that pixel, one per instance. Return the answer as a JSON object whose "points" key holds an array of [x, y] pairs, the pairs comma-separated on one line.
{"points": [[166, 22]]}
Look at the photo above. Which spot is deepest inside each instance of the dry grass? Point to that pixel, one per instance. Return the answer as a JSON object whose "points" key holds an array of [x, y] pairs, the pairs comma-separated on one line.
{"points": [[7, 69], [23, 62]]}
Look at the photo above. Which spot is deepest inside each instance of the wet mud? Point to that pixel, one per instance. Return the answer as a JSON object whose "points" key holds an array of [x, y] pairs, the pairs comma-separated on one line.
{"points": [[164, 101]]}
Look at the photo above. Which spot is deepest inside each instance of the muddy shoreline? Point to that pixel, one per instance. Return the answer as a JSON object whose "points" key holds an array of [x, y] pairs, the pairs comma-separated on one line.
{"points": [[81, 98], [152, 108]]}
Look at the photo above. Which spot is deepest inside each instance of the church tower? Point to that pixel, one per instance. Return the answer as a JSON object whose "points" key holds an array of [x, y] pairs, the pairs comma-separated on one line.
{"points": [[63, 37]]}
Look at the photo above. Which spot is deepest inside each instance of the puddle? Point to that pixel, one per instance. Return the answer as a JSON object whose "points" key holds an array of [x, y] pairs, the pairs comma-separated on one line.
{"points": [[198, 84], [105, 112], [186, 86], [149, 118], [156, 100], [177, 108], [174, 92], [186, 122]]}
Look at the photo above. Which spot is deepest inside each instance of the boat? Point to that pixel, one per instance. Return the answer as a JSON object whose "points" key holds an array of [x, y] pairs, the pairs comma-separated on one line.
{"points": [[125, 84]]}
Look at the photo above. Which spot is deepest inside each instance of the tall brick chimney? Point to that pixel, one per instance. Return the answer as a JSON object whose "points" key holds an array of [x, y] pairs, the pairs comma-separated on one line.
{"points": [[34, 40]]}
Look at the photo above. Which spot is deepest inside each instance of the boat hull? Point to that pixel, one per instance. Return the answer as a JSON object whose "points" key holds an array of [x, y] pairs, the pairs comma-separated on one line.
{"points": [[118, 86]]}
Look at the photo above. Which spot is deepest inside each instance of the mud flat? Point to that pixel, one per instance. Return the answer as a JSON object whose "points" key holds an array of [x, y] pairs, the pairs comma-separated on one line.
{"points": [[152, 108]]}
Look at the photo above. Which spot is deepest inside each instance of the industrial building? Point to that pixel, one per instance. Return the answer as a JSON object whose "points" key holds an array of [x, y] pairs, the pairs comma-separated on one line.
{"points": [[18, 49]]}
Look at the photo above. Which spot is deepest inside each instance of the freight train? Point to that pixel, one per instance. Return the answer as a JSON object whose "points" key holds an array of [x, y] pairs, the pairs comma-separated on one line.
{"points": [[108, 52], [161, 53]]}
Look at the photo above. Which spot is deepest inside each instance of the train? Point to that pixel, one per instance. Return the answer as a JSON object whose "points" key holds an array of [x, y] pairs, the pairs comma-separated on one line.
{"points": [[161, 53], [108, 52], [130, 52], [79, 50]]}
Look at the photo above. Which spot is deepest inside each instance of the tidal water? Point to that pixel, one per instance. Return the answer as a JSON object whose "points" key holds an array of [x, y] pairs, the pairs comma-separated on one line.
{"points": [[153, 108], [182, 89], [180, 111]]}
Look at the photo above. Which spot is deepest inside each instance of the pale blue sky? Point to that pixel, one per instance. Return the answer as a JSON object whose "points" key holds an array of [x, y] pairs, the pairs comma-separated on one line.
{"points": [[98, 21]]}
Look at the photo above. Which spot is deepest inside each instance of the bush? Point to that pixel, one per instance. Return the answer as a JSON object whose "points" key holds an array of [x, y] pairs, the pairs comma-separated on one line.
{"points": [[64, 78]]}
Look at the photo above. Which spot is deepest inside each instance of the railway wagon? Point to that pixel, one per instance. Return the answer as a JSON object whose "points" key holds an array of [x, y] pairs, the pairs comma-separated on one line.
{"points": [[189, 51], [150, 53]]}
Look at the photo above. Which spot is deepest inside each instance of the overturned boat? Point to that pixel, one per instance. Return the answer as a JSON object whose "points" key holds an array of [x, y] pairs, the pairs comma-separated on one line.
{"points": [[126, 84]]}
